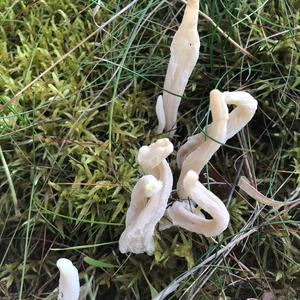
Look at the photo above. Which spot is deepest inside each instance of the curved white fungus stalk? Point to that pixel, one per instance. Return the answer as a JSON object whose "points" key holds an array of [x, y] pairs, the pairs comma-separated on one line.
{"points": [[245, 109], [69, 287], [182, 216], [133, 238], [149, 198], [189, 205], [216, 136], [145, 188], [184, 55]]}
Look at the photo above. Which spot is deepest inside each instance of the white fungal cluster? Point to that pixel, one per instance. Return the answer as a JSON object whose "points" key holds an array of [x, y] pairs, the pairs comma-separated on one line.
{"points": [[150, 195]]}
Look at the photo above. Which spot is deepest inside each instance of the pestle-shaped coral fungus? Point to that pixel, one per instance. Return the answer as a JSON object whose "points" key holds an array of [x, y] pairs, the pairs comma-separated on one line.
{"points": [[184, 55], [216, 136], [149, 198], [181, 215], [245, 109]]}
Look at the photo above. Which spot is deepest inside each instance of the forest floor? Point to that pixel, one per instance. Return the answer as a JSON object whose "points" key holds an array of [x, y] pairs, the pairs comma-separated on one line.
{"points": [[78, 87]]}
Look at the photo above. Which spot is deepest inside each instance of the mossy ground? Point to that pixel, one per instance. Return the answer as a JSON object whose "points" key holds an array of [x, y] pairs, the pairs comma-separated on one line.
{"points": [[69, 144]]}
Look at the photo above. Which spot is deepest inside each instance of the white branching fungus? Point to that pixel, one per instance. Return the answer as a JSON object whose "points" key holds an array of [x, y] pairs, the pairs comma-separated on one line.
{"points": [[69, 287], [216, 136], [245, 109], [181, 215], [148, 199], [184, 55]]}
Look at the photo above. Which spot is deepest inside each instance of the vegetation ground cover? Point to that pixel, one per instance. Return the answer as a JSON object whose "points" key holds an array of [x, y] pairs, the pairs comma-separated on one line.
{"points": [[69, 143]]}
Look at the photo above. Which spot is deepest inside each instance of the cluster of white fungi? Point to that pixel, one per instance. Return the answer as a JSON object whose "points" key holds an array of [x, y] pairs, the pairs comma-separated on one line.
{"points": [[149, 198]]}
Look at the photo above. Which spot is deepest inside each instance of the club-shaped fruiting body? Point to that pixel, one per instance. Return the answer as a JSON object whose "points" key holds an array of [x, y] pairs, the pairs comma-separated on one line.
{"points": [[182, 215], [69, 286], [133, 239], [148, 199], [184, 55], [216, 136], [245, 109]]}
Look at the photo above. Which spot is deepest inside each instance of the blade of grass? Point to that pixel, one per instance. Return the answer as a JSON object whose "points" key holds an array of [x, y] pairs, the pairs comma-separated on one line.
{"points": [[10, 183], [131, 39], [84, 246]]}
